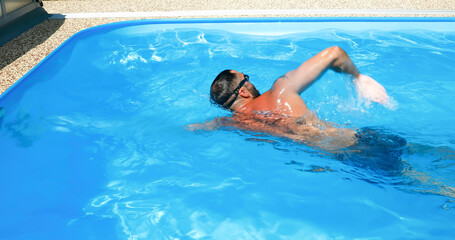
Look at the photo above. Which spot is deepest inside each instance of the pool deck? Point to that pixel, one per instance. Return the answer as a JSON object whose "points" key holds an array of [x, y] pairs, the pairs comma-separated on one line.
{"points": [[68, 17]]}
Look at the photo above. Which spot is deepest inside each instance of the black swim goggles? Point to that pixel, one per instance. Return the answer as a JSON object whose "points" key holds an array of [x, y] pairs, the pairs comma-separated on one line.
{"points": [[228, 104]]}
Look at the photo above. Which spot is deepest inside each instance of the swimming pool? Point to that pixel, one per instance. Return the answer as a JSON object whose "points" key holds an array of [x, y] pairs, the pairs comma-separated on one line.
{"points": [[93, 142]]}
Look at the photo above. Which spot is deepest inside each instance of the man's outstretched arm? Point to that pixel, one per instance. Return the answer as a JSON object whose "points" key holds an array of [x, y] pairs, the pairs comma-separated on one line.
{"points": [[308, 72], [334, 58]]}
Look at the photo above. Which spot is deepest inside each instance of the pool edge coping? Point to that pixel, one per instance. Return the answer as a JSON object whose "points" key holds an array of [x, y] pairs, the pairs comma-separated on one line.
{"points": [[267, 12]]}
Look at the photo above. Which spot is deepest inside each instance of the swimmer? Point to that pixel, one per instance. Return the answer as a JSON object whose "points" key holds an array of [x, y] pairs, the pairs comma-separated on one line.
{"points": [[281, 111]]}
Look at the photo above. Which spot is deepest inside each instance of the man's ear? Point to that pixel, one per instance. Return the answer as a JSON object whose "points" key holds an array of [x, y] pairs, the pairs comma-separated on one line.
{"points": [[244, 92]]}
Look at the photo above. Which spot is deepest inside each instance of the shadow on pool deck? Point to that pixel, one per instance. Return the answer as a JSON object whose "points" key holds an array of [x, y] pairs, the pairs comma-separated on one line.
{"points": [[16, 48]]}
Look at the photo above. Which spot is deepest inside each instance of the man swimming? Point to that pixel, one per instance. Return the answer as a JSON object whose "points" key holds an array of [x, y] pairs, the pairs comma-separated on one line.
{"points": [[281, 111]]}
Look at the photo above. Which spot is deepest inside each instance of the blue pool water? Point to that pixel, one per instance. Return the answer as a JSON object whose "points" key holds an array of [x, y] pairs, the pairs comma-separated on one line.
{"points": [[93, 142]]}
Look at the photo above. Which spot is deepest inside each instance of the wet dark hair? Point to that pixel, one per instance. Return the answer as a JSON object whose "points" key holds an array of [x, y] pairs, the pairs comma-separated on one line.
{"points": [[222, 87]]}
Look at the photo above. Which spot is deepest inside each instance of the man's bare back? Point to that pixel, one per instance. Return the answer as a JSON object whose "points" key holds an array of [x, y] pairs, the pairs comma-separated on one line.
{"points": [[308, 129]]}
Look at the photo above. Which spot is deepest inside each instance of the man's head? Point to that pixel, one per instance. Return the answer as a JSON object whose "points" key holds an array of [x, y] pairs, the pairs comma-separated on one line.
{"points": [[231, 86]]}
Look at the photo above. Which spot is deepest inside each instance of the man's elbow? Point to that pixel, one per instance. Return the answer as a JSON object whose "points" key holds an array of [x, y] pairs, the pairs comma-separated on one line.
{"points": [[337, 58], [336, 52]]}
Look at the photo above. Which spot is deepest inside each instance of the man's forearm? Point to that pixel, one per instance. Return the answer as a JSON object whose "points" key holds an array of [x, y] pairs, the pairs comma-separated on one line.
{"points": [[342, 62], [308, 72]]}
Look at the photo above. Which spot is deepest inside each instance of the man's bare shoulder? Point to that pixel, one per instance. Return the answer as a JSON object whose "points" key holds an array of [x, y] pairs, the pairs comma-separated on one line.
{"points": [[280, 84], [265, 102]]}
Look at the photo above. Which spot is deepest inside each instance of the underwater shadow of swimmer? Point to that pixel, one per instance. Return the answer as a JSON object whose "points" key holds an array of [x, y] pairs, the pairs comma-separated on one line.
{"points": [[380, 152], [377, 150]]}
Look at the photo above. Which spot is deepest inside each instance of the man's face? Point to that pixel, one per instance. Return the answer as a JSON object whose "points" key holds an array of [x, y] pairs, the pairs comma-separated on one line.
{"points": [[253, 90], [249, 86]]}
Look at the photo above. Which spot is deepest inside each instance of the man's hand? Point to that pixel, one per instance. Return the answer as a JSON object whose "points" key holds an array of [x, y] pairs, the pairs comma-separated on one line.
{"points": [[208, 126], [368, 88]]}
